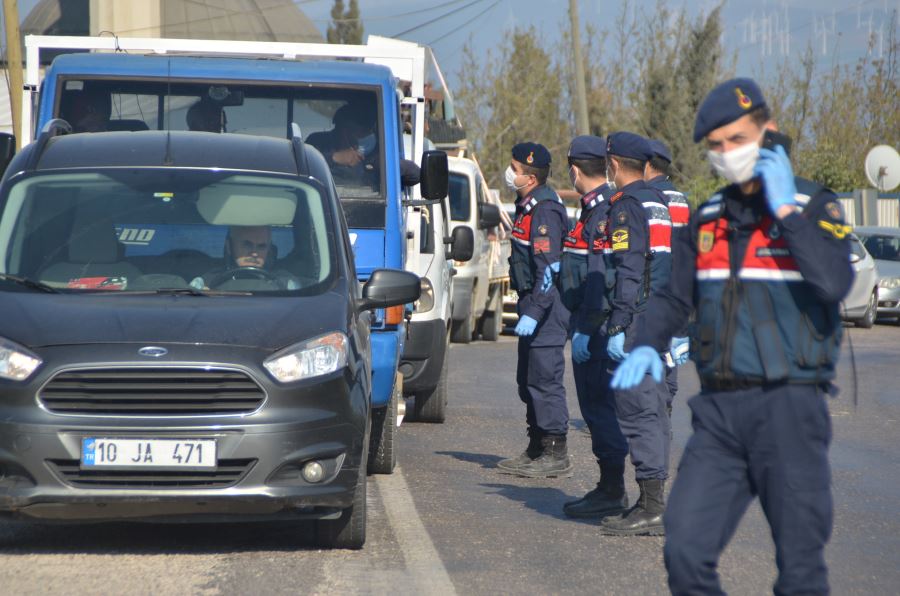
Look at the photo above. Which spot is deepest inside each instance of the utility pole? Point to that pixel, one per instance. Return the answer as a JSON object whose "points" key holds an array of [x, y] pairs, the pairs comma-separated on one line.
{"points": [[14, 65], [581, 113]]}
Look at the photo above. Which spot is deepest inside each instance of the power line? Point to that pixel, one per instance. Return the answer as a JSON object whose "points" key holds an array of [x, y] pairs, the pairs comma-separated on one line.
{"points": [[393, 16], [438, 18], [469, 22]]}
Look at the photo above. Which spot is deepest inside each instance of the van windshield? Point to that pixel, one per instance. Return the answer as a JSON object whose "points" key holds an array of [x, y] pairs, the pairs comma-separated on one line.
{"points": [[340, 121], [146, 229]]}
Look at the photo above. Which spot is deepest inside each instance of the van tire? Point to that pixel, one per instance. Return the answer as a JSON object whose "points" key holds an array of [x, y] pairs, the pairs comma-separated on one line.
{"points": [[349, 530], [461, 331], [492, 320], [383, 441], [431, 406]]}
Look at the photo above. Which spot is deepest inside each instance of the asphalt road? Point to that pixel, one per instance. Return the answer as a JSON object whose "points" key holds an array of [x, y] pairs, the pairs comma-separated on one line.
{"points": [[447, 522]]}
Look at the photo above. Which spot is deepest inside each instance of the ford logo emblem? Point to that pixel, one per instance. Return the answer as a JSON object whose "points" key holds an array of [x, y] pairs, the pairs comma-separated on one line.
{"points": [[153, 352]]}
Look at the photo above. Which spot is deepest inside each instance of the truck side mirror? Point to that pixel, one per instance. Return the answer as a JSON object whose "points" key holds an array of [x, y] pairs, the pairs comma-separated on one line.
{"points": [[488, 216], [462, 244], [434, 181], [7, 150], [390, 287]]}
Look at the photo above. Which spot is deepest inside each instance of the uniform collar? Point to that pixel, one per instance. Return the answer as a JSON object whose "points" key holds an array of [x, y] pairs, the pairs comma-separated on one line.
{"points": [[595, 196], [661, 182]]}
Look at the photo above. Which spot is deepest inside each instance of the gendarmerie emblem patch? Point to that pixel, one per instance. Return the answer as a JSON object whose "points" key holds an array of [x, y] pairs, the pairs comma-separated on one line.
{"points": [[705, 241]]}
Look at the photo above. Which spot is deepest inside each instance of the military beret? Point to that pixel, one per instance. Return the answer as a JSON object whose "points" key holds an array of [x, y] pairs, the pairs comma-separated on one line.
{"points": [[659, 149], [531, 154], [628, 144], [587, 147], [725, 104]]}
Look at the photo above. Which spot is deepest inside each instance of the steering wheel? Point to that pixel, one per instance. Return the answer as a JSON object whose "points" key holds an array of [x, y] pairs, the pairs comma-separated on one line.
{"points": [[243, 273]]}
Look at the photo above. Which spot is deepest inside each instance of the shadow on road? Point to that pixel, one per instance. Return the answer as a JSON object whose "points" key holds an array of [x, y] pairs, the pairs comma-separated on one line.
{"points": [[485, 460], [21, 538], [545, 500]]}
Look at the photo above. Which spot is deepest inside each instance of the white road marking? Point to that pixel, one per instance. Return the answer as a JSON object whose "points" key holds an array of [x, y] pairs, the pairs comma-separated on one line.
{"points": [[422, 559]]}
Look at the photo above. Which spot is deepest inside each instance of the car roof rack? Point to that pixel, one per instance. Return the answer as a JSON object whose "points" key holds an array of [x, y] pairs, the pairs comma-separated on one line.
{"points": [[54, 128]]}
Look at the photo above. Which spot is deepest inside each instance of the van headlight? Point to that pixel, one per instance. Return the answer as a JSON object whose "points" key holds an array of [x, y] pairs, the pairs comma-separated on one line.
{"points": [[16, 363], [889, 283], [426, 298], [314, 358]]}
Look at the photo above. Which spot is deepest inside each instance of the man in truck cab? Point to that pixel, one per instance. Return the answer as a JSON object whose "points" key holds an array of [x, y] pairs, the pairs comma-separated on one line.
{"points": [[349, 146]]}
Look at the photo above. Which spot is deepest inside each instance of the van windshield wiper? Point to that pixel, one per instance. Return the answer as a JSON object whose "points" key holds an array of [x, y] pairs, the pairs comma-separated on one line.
{"points": [[192, 291], [29, 283]]}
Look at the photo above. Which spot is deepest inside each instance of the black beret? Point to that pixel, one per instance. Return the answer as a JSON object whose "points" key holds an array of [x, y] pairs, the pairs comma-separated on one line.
{"points": [[628, 144], [659, 149], [725, 104], [531, 154], [587, 147]]}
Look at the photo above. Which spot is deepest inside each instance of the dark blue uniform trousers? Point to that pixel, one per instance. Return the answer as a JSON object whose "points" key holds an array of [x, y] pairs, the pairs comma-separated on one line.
{"points": [[771, 443], [598, 408], [644, 421], [671, 383], [539, 375]]}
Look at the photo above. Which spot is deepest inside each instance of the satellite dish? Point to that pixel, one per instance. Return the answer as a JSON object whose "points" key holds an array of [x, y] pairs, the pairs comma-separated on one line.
{"points": [[883, 167]]}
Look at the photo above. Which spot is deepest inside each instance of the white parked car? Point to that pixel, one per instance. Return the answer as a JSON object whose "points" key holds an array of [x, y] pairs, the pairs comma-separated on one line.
{"points": [[860, 304], [883, 244]]}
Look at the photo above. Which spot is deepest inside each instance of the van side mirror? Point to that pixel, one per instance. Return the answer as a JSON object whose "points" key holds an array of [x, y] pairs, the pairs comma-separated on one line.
{"points": [[488, 216], [462, 244], [390, 287], [434, 181], [7, 150]]}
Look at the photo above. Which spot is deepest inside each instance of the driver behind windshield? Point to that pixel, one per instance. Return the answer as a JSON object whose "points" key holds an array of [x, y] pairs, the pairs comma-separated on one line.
{"points": [[249, 258], [350, 146]]}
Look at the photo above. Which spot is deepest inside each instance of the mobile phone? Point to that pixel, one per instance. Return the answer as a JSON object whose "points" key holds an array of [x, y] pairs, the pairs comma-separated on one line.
{"points": [[773, 137]]}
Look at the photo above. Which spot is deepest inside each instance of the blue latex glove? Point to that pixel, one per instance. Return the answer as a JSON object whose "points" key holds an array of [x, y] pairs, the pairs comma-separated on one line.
{"points": [[639, 362], [680, 350], [615, 347], [526, 326], [580, 352], [547, 282], [774, 168]]}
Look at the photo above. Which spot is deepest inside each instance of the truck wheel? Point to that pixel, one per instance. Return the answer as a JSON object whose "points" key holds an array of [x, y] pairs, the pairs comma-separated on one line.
{"points": [[431, 406], [383, 441], [492, 321], [461, 331], [349, 530], [868, 319]]}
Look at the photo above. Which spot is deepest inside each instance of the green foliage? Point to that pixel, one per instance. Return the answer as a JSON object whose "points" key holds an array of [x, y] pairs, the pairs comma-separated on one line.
{"points": [[661, 66], [346, 26]]}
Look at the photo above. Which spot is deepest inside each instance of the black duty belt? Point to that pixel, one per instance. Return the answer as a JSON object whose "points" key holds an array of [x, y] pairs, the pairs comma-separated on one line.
{"points": [[738, 384]]}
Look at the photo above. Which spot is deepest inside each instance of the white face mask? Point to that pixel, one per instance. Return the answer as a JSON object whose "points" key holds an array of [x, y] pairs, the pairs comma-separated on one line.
{"points": [[610, 180], [573, 177], [736, 165], [510, 176]]}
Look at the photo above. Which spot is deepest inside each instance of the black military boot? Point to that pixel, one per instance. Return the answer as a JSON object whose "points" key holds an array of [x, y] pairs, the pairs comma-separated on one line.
{"points": [[645, 518], [552, 463], [607, 498], [532, 452]]}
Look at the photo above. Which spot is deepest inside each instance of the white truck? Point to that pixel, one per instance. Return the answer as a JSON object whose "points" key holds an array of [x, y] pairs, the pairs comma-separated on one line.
{"points": [[479, 284]]}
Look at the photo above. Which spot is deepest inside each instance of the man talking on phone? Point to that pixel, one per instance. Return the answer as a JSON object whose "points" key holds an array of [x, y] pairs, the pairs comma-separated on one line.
{"points": [[763, 265]]}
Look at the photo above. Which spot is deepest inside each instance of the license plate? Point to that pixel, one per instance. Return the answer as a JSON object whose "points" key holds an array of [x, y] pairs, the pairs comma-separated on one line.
{"points": [[102, 452]]}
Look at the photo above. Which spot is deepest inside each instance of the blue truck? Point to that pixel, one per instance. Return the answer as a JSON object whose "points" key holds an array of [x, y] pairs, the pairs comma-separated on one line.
{"points": [[266, 91]]}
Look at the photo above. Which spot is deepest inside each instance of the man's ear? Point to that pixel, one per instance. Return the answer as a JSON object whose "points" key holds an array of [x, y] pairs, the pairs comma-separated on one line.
{"points": [[771, 125]]}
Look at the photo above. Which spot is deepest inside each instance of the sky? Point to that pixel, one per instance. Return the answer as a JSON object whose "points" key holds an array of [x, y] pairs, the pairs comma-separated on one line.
{"points": [[761, 32]]}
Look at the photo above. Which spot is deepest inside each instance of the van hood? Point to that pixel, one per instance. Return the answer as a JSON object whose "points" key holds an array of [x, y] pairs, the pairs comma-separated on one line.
{"points": [[270, 323]]}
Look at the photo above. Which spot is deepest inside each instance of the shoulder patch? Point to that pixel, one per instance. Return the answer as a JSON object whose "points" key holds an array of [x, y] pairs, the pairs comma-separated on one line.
{"points": [[620, 239], [834, 210], [543, 229], [621, 217]]}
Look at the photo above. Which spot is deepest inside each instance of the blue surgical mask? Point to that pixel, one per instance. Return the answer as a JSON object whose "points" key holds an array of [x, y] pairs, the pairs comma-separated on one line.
{"points": [[367, 144]]}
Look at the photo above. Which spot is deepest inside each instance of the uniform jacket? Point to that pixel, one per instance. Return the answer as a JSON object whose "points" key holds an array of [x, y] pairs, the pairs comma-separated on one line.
{"points": [[537, 241], [639, 236], [766, 293], [679, 209]]}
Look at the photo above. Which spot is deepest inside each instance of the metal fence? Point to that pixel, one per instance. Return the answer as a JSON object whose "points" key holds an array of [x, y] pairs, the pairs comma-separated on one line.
{"points": [[868, 208]]}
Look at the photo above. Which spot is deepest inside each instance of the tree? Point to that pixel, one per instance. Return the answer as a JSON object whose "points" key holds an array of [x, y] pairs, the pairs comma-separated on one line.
{"points": [[346, 25], [514, 99]]}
